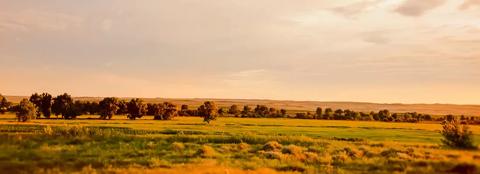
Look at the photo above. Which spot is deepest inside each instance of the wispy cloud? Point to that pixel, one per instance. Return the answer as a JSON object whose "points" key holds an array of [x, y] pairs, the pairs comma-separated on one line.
{"points": [[416, 8], [469, 3], [355, 8]]}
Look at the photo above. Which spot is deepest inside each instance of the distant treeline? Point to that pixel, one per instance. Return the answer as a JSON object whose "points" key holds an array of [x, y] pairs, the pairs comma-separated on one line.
{"points": [[45, 105]]}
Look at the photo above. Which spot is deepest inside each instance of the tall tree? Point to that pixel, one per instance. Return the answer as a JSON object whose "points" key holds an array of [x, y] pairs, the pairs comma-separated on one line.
{"points": [[209, 111], [170, 110], [184, 111], [37, 101], [328, 114], [26, 110], [108, 107], [247, 110], [136, 109], [122, 108], [46, 104], [4, 104], [234, 110], [318, 113], [62, 104]]}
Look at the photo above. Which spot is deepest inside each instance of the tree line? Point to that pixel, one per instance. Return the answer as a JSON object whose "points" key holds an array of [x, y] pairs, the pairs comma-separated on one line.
{"points": [[45, 105]]}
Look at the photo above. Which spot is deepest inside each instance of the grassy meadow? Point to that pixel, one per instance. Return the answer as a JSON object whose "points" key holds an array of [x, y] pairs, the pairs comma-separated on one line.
{"points": [[228, 145]]}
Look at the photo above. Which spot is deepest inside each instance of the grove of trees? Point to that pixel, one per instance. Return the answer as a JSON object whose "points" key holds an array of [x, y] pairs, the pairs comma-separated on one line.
{"points": [[65, 106]]}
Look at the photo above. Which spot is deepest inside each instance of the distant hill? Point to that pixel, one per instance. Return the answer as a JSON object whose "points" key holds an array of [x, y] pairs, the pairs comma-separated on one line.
{"points": [[434, 109]]}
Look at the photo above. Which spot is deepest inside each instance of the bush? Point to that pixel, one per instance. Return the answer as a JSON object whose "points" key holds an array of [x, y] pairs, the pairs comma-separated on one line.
{"points": [[456, 135], [272, 146], [206, 152], [26, 111]]}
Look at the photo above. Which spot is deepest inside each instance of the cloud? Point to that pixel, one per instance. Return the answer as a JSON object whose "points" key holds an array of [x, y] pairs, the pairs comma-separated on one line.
{"points": [[375, 37], [35, 20], [416, 8], [355, 8], [469, 3]]}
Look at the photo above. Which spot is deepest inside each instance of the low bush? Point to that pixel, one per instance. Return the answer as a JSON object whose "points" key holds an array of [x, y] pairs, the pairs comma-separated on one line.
{"points": [[456, 135]]}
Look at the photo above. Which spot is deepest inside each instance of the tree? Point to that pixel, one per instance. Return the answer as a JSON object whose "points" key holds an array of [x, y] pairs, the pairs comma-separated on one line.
{"points": [[272, 112], [46, 105], [234, 110], [61, 104], [209, 111], [92, 108], [384, 115], [136, 109], [165, 111], [318, 113], [37, 101], [247, 110], [283, 112], [261, 111], [338, 115], [4, 104], [108, 107], [184, 111], [221, 111], [122, 108], [73, 110], [157, 110], [456, 135], [328, 114], [170, 110], [26, 110]]}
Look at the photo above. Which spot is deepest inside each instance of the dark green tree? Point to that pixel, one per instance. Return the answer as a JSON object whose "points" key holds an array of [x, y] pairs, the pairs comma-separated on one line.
{"points": [[170, 110], [247, 111], [37, 101], [61, 104], [184, 111], [328, 114], [122, 108], [108, 107], [318, 113], [136, 109], [46, 104]]}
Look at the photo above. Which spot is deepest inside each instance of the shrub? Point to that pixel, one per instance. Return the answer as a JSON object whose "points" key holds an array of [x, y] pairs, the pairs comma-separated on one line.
{"points": [[206, 151], [292, 149], [456, 135], [272, 146], [243, 146], [26, 110], [176, 146]]}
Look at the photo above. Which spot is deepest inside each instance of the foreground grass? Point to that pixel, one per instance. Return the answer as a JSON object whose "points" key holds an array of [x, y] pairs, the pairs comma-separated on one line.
{"points": [[230, 144]]}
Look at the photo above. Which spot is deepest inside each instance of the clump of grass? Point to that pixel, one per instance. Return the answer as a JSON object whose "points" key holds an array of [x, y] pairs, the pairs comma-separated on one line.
{"points": [[177, 146], [156, 162], [243, 146], [206, 152], [272, 146], [47, 130], [292, 150], [273, 155], [340, 157], [390, 153]]}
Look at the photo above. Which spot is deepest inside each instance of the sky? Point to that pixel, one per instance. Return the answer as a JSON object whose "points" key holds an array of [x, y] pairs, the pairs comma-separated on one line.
{"points": [[387, 51]]}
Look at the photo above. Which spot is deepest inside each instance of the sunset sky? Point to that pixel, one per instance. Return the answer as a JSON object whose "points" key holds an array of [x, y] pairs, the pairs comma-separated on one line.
{"points": [[389, 51]]}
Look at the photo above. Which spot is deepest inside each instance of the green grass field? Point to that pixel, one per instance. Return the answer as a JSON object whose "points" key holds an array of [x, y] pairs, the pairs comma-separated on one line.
{"points": [[237, 145]]}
